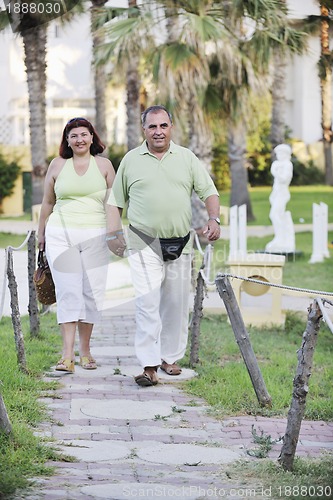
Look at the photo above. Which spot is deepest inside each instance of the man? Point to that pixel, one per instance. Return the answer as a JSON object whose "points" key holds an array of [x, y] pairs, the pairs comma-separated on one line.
{"points": [[157, 180]]}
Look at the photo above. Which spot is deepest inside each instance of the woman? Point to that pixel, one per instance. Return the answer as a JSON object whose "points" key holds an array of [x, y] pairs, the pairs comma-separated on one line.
{"points": [[72, 230]]}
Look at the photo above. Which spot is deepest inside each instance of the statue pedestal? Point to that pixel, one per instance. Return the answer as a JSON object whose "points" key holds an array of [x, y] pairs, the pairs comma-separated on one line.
{"points": [[262, 267]]}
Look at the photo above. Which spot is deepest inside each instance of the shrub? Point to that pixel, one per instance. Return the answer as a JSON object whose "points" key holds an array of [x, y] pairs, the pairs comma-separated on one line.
{"points": [[220, 168], [9, 172], [116, 153], [306, 173]]}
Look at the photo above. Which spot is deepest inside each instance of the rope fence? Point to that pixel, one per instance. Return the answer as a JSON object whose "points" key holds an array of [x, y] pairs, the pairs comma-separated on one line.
{"points": [[285, 287], [205, 272], [8, 249]]}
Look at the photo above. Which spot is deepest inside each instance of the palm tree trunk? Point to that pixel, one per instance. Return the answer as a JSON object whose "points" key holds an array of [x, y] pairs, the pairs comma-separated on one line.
{"points": [[201, 139], [133, 110], [34, 41], [133, 103], [239, 176], [100, 80], [278, 99], [201, 144], [326, 96]]}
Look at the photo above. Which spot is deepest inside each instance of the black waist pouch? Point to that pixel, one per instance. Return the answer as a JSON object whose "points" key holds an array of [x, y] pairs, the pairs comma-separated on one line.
{"points": [[171, 248]]}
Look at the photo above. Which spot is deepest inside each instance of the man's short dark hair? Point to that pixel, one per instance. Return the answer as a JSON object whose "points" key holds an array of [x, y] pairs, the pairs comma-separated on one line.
{"points": [[154, 109]]}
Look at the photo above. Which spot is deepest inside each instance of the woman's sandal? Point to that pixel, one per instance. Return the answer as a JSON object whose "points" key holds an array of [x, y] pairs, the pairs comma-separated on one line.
{"points": [[88, 362], [65, 365]]}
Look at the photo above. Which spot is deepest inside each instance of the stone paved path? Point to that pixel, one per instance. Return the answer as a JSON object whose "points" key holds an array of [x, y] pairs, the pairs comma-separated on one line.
{"points": [[153, 442]]}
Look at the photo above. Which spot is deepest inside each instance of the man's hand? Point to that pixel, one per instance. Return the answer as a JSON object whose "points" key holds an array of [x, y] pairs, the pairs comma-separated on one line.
{"points": [[116, 243], [212, 230]]}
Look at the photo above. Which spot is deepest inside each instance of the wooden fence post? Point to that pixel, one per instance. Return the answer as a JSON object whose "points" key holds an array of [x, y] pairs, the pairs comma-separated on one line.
{"points": [[33, 305], [16, 319], [300, 387], [242, 338], [196, 319], [5, 425]]}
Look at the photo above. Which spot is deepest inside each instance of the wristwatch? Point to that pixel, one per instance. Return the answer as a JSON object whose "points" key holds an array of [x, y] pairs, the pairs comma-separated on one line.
{"points": [[216, 220]]}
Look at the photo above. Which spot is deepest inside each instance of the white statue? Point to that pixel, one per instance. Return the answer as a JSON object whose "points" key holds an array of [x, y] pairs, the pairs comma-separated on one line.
{"points": [[284, 233]]}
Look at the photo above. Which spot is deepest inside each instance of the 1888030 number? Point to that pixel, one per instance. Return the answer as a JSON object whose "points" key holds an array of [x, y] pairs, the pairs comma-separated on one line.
{"points": [[305, 491], [34, 7]]}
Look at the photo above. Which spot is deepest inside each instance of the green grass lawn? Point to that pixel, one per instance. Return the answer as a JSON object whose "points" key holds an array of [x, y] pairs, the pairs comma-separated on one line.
{"points": [[24, 455], [225, 384], [300, 204]]}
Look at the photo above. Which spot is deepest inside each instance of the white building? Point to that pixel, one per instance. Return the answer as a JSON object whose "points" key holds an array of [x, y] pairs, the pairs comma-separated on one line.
{"points": [[303, 92]]}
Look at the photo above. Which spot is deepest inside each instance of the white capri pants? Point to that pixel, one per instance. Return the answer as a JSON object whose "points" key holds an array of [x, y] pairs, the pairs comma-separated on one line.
{"points": [[78, 260], [162, 306]]}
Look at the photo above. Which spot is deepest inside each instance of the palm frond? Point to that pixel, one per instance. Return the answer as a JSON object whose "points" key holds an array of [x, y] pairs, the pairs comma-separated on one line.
{"points": [[274, 10], [105, 15], [4, 20], [125, 37], [204, 26], [178, 55], [296, 41], [73, 9]]}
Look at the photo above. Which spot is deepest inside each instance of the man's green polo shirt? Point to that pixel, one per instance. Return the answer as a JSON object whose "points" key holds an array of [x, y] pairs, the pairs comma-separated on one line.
{"points": [[158, 192]]}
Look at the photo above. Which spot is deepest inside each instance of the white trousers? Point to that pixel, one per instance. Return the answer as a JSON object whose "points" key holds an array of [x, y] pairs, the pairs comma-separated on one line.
{"points": [[162, 306], [78, 261]]}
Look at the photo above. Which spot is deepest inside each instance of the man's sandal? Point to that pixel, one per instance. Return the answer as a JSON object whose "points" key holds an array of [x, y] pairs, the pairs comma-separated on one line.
{"points": [[173, 369], [88, 362], [147, 378], [65, 365]]}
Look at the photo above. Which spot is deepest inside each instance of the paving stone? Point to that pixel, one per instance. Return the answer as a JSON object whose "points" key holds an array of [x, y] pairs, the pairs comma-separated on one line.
{"points": [[95, 451], [320, 444], [120, 408], [180, 454], [142, 490]]}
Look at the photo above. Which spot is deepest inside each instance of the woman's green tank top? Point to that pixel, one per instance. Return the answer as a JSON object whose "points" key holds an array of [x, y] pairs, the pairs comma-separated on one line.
{"points": [[79, 198]]}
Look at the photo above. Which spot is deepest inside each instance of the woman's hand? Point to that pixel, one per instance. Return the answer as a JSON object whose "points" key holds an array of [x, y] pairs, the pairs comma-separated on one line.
{"points": [[116, 243], [41, 242]]}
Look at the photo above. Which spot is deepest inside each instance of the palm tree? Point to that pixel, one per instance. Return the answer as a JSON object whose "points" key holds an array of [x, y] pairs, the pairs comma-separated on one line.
{"points": [[325, 75], [34, 41], [100, 78], [133, 84], [32, 27], [124, 51], [217, 27], [182, 62], [241, 67], [269, 35], [34, 35]]}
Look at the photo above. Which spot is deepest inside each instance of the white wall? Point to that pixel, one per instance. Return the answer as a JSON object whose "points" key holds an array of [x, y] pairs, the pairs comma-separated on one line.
{"points": [[303, 96], [302, 8], [303, 114]]}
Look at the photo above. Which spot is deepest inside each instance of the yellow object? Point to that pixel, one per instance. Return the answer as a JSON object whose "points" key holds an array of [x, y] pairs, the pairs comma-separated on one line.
{"points": [[255, 289], [224, 213], [35, 211], [261, 267], [65, 365], [12, 206], [88, 363]]}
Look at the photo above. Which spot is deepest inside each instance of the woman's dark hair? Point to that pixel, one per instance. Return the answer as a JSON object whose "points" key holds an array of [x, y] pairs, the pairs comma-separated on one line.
{"points": [[96, 147]]}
